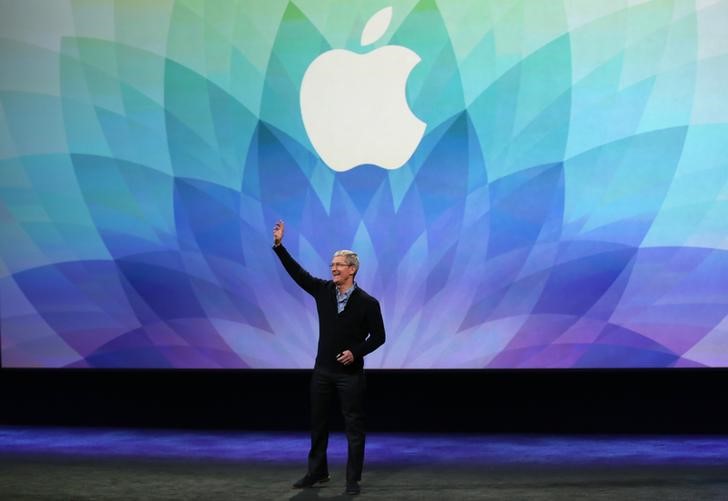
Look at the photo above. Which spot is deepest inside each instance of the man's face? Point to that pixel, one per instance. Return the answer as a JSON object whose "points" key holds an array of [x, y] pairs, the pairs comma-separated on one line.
{"points": [[340, 271]]}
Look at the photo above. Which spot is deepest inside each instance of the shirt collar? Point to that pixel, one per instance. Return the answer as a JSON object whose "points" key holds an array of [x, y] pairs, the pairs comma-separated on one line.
{"points": [[346, 293]]}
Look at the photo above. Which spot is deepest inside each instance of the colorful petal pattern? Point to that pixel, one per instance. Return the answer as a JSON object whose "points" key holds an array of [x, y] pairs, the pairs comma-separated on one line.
{"points": [[567, 207]]}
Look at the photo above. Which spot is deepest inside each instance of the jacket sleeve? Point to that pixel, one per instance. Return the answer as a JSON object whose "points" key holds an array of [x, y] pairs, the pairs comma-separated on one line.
{"points": [[303, 278], [376, 331]]}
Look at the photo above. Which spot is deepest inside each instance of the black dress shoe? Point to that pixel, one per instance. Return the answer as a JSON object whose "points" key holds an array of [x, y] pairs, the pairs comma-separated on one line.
{"points": [[352, 488], [311, 480]]}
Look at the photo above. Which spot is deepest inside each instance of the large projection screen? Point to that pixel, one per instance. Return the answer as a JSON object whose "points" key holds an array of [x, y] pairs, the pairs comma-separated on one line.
{"points": [[529, 184]]}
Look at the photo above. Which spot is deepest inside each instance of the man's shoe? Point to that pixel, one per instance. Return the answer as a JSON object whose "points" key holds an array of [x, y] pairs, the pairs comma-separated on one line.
{"points": [[311, 480], [352, 488]]}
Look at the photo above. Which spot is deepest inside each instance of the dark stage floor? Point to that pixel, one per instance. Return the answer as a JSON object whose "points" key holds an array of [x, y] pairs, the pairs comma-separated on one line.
{"points": [[82, 463]]}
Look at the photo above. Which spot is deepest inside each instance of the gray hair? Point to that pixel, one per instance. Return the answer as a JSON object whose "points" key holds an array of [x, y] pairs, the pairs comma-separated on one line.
{"points": [[352, 258]]}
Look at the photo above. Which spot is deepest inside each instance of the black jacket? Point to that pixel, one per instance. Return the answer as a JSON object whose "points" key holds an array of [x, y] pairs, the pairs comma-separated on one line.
{"points": [[359, 327]]}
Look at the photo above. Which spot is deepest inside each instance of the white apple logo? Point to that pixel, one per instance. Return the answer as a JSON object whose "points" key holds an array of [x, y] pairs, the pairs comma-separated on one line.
{"points": [[354, 106]]}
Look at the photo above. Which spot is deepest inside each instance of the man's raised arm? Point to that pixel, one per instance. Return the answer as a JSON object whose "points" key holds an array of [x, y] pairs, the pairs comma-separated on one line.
{"points": [[303, 278]]}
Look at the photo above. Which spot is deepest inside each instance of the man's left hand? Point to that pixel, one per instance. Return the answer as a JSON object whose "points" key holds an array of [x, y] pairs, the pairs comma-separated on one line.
{"points": [[345, 357]]}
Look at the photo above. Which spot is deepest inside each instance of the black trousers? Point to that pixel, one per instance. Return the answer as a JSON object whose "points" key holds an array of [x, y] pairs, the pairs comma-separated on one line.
{"points": [[350, 390]]}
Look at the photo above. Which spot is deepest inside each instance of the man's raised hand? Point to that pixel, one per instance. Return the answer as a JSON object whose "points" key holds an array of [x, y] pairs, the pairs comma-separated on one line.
{"points": [[278, 232]]}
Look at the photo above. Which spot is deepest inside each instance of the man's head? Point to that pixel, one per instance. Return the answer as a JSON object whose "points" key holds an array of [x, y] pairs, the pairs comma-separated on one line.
{"points": [[344, 266]]}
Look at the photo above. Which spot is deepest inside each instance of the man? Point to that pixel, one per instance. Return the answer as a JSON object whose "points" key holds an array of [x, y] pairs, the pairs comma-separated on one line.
{"points": [[350, 327]]}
